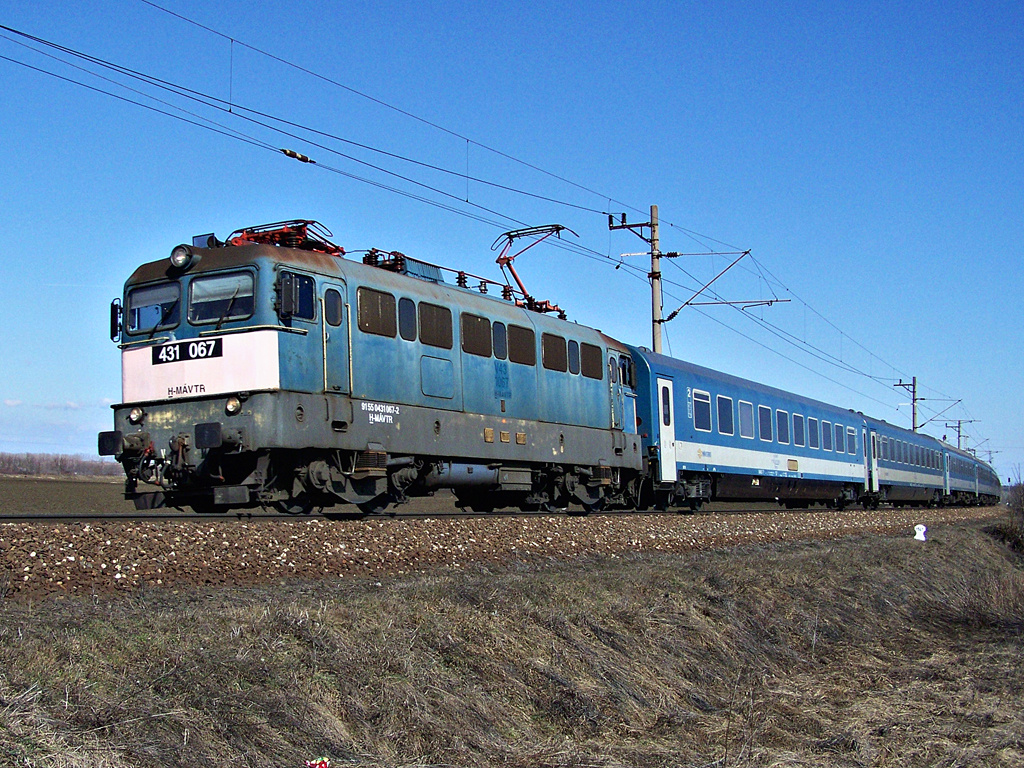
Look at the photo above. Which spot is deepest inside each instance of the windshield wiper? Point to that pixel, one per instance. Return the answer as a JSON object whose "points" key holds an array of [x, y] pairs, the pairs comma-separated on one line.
{"points": [[227, 311], [164, 314]]}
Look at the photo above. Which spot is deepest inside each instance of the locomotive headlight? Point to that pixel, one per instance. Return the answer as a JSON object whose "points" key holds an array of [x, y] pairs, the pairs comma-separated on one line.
{"points": [[233, 406], [135, 415], [181, 256]]}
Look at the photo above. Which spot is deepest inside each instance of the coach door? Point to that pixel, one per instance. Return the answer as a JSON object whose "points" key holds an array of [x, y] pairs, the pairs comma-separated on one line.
{"points": [[667, 430], [871, 462], [335, 337]]}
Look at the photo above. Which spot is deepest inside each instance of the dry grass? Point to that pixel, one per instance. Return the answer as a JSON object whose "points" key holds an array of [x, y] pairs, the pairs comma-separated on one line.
{"points": [[863, 651]]}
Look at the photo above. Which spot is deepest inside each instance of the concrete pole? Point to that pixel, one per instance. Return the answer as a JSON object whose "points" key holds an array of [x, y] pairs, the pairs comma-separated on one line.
{"points": [[655, 283]]}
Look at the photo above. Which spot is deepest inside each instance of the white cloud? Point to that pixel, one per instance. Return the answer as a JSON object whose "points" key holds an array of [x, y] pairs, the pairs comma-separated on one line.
{"points": [[12, 403]]}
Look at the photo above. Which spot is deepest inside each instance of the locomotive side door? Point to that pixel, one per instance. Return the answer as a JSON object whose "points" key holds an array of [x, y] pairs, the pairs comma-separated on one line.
{"points": [[667, 430], [336, 331], [618, 401]]}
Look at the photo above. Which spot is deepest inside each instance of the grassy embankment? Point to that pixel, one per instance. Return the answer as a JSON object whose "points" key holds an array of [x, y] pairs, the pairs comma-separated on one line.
{"points": [[863, 651]]}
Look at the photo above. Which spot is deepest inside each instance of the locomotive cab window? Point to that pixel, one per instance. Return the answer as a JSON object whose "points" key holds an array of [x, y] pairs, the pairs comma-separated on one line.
{"points": [[153, 308], [746, 419], [297, 296], [725, 425], [702, 411], [333, 307], [217, 298], [376, 310]]}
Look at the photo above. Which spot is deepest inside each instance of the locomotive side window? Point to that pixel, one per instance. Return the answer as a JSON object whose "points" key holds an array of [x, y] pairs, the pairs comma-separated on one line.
{"points": [[798, 430], [297, 296], [812, 433], [851, 441], [746, 419], [553, 352], [154, 307], [435, 325], [612, 370], [840, 440], [333, 307], [725, 425], [376, 311], [222, 297], [764, 419], [500, 339], [782, 426], [590, 361], [826, 435], [522, 345], [625, 371], [702, 411], [476, 335], [574, 357], [407, 319]]}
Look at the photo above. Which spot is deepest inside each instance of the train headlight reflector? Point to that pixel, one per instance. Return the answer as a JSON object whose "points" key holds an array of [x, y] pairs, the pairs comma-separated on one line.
{"points": [[233, 405], [135, 415], [181, 256]]}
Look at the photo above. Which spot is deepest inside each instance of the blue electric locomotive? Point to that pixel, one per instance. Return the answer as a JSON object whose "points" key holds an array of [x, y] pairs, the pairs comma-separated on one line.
{"points": [[268, 370]]}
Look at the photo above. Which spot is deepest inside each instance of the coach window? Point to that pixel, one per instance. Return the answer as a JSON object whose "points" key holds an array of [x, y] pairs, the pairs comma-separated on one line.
{"points": [[333, 307], [476, 335], [590, 361], [725, 426], [217, 298], [840, 440], [376, 311], [851, 441], [297, 296], [702, 411], [553, 352], [407, 319], [666, 407], [500, 339], [812, 433], [746, 419], [826, 435], [574, 357], [798, 430], [782, 426], [764, 419], [153, 308], [883, 449], [522, 345]]}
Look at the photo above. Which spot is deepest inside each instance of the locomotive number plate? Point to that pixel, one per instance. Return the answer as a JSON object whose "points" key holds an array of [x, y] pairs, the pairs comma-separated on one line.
{"points": [[188, 350]]}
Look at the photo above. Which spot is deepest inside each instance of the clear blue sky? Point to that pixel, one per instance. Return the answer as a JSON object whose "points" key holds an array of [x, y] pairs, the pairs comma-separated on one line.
{"points": [[871, 156]]}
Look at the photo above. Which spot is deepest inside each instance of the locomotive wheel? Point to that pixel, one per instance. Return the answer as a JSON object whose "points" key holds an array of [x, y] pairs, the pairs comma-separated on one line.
{"points": [[295, 505]]}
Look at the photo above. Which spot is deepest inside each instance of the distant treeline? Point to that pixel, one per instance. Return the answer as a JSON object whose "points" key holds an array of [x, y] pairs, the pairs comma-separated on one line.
{"points": [[55, 464]]}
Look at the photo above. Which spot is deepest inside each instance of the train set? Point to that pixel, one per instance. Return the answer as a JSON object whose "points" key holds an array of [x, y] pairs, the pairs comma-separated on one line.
{"points": [[269, 370]]}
